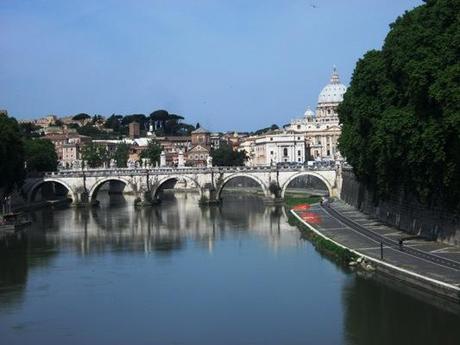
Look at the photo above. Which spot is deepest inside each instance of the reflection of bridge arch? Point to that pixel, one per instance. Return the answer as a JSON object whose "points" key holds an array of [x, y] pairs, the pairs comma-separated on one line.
{"points": [[176, 178], [33, 190], [309, 173], [252, 177], [95, 188]]}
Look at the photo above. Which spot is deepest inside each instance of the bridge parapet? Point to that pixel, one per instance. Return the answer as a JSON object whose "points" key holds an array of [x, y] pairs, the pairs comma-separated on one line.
{"points": [[183, 170]]}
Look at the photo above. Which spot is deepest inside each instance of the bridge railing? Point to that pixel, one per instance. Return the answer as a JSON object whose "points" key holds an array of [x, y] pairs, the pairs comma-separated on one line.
{"points": [[182, 170]]}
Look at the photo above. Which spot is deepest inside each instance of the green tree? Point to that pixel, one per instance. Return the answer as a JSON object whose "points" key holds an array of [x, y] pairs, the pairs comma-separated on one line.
{"points": [[95, 155], [266, 129], [226, 156], [121, 155], [40, 155], [81, 117], [152, 152], [29, 130], [93, 132], [401, 113], [11, 154], [114, 122]]}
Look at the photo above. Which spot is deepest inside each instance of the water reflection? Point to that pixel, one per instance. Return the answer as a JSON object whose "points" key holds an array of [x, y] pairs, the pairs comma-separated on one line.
{"points": [[179, 273], [118, 226], [397, 315]]}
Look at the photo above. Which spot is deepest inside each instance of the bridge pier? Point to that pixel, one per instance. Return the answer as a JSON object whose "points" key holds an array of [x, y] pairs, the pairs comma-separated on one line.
{"points": [[82, 200], [144, 199], [209, 196], [273, 200]]}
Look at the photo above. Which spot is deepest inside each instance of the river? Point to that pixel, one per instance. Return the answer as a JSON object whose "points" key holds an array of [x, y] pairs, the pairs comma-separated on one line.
{"points": [[181, 274]]}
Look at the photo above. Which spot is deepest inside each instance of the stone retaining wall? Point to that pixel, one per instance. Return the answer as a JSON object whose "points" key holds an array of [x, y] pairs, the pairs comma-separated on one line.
{"points": [[402, 211]]}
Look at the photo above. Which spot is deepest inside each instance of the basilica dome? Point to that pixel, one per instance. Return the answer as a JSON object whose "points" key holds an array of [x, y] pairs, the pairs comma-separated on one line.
{"points": [[309, 113], [334, 91]]}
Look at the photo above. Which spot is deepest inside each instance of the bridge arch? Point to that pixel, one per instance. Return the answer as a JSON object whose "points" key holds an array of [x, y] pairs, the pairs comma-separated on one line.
{"points": [[231, 177], [95, 188], [306, 173], [166, 179], [34, 188]]}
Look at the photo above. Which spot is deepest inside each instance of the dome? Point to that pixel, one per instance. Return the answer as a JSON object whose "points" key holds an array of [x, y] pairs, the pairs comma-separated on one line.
{"points": [[309, 113], [334, 91]]}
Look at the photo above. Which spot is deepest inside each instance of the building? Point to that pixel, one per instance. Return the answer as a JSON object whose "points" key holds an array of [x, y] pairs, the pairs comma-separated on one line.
{"points": [[134, 130], [322, 130], [201, 148], [68, 146], [277, 147]]}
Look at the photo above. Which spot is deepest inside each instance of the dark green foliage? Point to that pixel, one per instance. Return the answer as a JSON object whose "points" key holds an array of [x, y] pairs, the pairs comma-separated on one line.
{"points": [[40, 155], [226, 156], [29, 130], [121, 155], [401, 113], [152, 152], [81, 117], [169, 124], [95, 155], [323, 245], [11, 154], [114, 122], [266, 129], [141, 119], [93, 132]]}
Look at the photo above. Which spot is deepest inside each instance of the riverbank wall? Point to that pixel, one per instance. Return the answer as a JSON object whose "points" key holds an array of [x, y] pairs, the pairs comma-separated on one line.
{"points": [[402, 211]]}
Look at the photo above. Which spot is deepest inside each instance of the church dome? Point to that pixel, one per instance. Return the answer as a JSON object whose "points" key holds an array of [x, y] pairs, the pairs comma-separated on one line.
{"points": [[309, 113], [334, 91]]}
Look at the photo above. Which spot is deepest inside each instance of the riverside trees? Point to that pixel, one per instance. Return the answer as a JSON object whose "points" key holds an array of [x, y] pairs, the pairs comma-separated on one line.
{"points": [[401, 113]]}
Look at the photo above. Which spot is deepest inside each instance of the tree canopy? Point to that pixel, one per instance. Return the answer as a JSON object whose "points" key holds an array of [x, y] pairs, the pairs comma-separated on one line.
{"points": [[121, 155], [152, 152], [401, 113], [95, 155], [40, 155], [11, 154], [226, 156], [81, 117]]}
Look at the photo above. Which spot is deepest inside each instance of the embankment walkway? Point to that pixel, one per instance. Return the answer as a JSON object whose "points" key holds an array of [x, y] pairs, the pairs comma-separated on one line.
{"points": [[430, 265]]}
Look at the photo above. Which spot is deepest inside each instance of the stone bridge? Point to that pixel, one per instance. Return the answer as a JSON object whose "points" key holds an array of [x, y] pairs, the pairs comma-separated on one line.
{"points": [[146, 184]]}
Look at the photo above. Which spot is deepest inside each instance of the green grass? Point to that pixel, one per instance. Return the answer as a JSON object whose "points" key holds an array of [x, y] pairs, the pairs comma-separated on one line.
{"points": [[322, 245], [292, 201]]}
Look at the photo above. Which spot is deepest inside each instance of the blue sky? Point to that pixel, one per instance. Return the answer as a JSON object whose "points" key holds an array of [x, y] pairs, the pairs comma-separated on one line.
{"points": [[228, 64]]}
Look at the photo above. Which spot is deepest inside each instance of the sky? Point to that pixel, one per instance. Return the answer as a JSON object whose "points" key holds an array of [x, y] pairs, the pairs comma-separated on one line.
{"points": [[227, 64]]}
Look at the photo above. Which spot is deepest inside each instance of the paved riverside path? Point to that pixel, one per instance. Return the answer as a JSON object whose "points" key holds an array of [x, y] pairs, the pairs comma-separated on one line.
{"points": [[355, 230]]}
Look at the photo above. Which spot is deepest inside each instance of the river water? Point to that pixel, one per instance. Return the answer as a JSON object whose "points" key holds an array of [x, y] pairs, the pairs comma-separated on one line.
{"points": [[181, 274]]}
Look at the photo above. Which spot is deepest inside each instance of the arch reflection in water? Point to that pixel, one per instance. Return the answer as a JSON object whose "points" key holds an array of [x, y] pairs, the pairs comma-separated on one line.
{"points": [[116, 225]]}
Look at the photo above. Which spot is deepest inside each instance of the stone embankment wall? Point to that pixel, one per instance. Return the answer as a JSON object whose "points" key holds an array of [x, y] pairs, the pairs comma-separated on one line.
{"points": [[402, 211]]}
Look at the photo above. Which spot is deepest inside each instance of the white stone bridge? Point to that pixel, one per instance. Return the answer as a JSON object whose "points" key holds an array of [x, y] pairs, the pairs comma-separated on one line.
{"points": [[146, 184]]}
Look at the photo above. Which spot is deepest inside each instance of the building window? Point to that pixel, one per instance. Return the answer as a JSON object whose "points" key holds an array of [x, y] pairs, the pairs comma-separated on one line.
{"points": [[298, 138], [271, 152], [285, 151], [298, 153], [298, 126], [328, 152], [298, 159]]}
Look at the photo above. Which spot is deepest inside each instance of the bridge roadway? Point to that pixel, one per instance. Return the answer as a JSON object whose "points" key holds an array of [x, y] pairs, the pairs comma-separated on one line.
{"points": [[83, 185]]}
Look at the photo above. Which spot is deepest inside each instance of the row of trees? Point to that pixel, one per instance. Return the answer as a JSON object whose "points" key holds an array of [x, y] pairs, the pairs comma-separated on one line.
{"points": [[20, 154], [401, 113], [97, 155], [162, 121]]}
